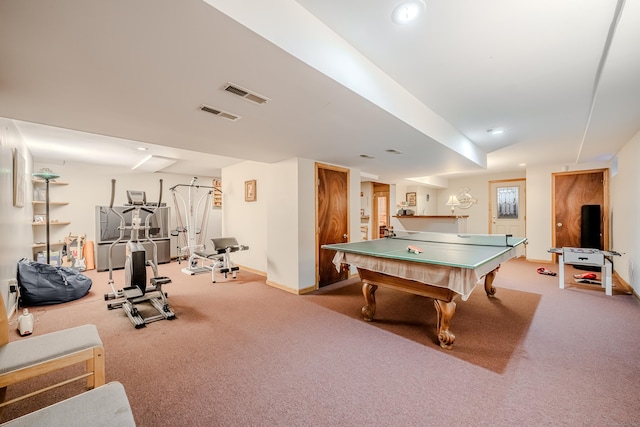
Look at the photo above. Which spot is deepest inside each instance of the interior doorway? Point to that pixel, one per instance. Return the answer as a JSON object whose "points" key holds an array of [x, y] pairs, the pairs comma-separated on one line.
{"points": [[332, 220], [380, 209]]}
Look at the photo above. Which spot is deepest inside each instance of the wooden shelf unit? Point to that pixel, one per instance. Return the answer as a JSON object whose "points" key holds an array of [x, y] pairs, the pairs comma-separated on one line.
{"points": [[39, 205], [42, 202], [44, 245]]}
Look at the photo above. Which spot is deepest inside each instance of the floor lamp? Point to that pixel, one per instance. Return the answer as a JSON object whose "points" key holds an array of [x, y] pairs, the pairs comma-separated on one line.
{"points": [[47, 176]]}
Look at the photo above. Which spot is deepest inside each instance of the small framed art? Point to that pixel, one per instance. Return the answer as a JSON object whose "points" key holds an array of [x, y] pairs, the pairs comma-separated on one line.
{"points": [[250, 191]]}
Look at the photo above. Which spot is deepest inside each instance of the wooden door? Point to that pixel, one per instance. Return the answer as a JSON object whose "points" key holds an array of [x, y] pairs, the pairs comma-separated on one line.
{"points": [[572, 190], [332, 219]]}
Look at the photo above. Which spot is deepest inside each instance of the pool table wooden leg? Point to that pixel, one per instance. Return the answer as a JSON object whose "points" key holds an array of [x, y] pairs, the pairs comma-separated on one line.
{"points": [[488, 282], [444, 312], [369, 292]]}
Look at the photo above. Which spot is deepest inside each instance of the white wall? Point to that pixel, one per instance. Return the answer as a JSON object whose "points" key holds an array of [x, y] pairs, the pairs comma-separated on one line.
{"points": [[280, 226], [247, 221], [307, 222], [286, 211], [422, 207], [15, 222], [478, 214], [625, 213], [478, 220], [90, 186], [539, 202]]}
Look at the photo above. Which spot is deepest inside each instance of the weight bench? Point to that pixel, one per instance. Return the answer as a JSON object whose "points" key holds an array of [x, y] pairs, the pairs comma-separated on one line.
{"points": [[220, 257], [37, 355], [101, 407]]}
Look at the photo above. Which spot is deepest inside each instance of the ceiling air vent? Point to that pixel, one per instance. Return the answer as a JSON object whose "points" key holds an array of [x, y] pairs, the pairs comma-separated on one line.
{"points": [[245, 93], [220, 113]]}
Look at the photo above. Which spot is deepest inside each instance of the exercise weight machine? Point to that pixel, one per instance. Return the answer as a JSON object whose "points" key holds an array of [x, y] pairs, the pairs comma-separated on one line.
{"points": [[191, 239], [136, 290]]}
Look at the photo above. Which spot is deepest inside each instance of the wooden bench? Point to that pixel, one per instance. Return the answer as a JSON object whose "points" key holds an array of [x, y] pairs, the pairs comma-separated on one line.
{"points": [[101, 407], [33, 356]]}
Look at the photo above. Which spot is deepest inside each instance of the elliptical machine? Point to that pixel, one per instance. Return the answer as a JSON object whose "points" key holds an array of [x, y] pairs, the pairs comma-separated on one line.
{"points": [[136, 290]]}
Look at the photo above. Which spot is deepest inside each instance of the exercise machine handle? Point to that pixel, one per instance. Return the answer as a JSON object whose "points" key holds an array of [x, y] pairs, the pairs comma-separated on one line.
{"points": [[160, 198], [113, 192]]}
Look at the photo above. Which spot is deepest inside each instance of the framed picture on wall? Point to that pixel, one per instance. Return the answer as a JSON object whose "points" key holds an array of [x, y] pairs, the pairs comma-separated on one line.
{"points": [[411, 199], [216, 197], [250, 191]]}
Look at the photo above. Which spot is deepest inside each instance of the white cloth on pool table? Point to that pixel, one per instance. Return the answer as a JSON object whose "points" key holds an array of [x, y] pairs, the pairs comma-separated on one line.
{"points": [[459, 280]]}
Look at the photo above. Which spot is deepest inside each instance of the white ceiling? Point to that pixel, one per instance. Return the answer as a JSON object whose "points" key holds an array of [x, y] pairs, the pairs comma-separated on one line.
{"points": [[559, 77]]}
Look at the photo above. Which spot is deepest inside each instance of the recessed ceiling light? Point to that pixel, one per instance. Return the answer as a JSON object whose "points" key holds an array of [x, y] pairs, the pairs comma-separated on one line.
{"points": [[142, 148], [393, 151], [366, 156], [407, 11], [495, 131]]}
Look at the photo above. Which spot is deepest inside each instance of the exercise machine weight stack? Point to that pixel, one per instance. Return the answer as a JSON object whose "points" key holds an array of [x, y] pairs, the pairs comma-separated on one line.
{"points": [[136, 290]]}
